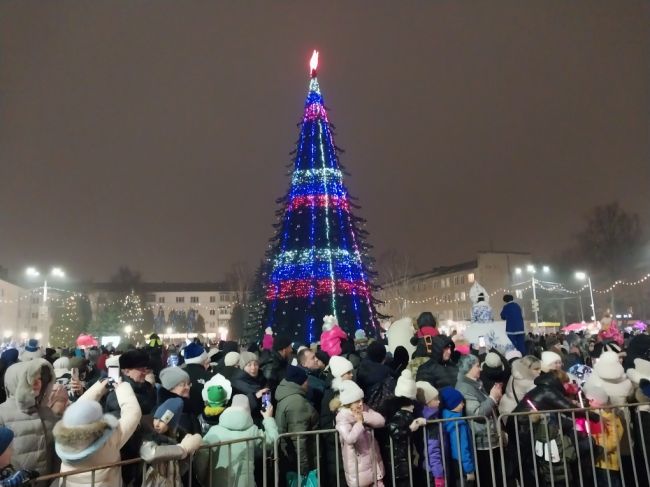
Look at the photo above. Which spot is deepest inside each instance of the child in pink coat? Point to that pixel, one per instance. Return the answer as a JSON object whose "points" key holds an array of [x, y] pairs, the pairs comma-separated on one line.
{"points": [[359, 449], [267, 341], [332, 336]]}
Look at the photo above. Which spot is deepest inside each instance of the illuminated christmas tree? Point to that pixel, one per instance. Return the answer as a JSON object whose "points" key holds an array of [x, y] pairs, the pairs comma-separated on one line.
{"points": [[318, 259], [67, 324], [132, 318]]}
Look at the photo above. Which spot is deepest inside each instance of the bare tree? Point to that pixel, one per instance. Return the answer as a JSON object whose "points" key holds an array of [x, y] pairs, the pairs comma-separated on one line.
{"points": [[240, 280], [394, 271]]}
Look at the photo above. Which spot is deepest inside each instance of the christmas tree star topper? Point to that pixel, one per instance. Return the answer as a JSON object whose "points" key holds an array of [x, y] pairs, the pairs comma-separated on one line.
{"points": [[313, 63]]}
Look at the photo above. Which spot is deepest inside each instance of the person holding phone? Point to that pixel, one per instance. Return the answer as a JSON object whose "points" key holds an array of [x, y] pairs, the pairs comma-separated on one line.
{"points": [[249, 381]]}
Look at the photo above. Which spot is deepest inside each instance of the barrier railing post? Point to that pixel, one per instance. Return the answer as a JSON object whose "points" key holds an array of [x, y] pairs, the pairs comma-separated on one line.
{"points": [[276, 461], [337, 454], [264, 460]]}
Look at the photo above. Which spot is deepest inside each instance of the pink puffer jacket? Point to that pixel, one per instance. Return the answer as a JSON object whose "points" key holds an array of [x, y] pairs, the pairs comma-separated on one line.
{"points": [[359, 446], [330, 340]]}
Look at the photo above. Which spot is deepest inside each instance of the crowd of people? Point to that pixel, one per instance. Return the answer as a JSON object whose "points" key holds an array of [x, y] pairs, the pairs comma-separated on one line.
{"points": [[402, 419]]}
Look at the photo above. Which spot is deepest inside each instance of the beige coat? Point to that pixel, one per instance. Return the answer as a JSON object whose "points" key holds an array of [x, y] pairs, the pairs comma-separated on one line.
{"points": [[110, 451]]}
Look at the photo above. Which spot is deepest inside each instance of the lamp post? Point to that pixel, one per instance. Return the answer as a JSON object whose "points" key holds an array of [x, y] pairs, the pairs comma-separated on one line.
{"points": [[34, 273], [530, 269], [582, 276]]}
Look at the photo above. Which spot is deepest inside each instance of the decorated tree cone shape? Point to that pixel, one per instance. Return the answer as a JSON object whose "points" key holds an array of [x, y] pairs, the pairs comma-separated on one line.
{"points": [[318, 259]]}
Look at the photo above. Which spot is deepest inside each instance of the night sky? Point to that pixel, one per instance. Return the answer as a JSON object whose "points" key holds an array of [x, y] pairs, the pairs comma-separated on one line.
{"points": [[155, 133]]}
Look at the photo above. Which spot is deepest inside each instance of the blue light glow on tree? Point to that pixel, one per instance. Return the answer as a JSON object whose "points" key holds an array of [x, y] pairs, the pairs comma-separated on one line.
{"points": [[318, 258]]}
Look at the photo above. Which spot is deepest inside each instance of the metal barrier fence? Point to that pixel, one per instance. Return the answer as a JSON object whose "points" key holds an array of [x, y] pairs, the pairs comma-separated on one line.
{"points": [[531, 449]]}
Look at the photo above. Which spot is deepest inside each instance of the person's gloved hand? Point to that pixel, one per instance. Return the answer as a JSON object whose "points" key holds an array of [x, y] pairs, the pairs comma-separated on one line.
{"points": [[439, 482], [191, 443]]}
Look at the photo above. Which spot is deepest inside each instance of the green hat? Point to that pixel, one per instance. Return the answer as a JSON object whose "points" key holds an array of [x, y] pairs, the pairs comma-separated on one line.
{"points": [[217, 396]]}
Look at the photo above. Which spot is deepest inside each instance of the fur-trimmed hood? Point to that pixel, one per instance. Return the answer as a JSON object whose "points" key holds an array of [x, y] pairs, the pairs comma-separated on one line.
{"points": [[19, 380], [77, 443]]}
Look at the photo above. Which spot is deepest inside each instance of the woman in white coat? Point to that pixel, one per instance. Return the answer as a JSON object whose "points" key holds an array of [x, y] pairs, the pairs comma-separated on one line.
{"points": [[87, 438]]}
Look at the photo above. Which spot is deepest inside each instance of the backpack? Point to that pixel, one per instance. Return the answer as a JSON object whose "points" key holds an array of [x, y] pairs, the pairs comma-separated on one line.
{"points": [[379, 392]]}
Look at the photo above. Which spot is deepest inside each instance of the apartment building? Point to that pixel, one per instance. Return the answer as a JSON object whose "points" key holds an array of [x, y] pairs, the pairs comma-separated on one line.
{"points": [[445, 290]]}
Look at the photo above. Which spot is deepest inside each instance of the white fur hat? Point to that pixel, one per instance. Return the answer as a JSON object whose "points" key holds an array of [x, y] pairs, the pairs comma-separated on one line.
{"points": [[329, 322], [640, 371], [548, 358], [113, 361], [268, 330], [608, 367], [426, 392], [406, 385], [340, 365], [349, 392]]}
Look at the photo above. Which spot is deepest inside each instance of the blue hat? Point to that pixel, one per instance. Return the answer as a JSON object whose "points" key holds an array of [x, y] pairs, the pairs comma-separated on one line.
{"points": [[450, 397], [6, 437], [170, 412], [32, 345], [644, 385], [297, 375], [10, 356], [195, 354]]}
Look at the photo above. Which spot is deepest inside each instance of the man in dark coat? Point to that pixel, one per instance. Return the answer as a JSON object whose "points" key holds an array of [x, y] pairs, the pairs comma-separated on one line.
{"points": [[372, 370], [511, 312], [134, 367], [441, 369], [197, 364], [274, 366]]}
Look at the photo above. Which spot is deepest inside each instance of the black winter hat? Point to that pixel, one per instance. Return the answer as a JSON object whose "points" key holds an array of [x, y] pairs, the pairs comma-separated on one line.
{"points": [[376, 352], [426, 319], [134, 359], [281, 342]]}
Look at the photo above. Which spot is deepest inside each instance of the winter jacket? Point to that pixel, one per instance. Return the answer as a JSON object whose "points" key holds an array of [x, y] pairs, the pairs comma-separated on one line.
{"points": [[436, 372], [513, 317], [108, 452], [398, 424], [359, 448], [432, 462], [479, 403], [273, 368], [244, 383], [547, 395], [370, 373], [521, 381], [189, 423], [295, 414], [330, 340], [234, 465], [198, 377], [609, 438], [459, 440], [553, 447], [29, 417], [166, 461], [267, 342]]}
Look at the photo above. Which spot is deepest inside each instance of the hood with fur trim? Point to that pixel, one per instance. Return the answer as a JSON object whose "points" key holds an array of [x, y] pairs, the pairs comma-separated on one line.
{"points": [[75, 444], [19, 381]]}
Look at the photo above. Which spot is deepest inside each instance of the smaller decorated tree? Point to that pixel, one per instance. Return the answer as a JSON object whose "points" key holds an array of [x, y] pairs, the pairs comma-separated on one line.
{"points": [[132, 318], [256, 305], [67, 324]]}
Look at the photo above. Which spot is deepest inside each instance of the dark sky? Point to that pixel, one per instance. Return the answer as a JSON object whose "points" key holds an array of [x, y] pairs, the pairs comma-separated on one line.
{"points": [[156, 133]]}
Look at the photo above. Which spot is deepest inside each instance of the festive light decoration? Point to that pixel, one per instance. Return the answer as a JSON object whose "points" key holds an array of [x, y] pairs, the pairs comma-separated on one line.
{"points": [[317, 261]]}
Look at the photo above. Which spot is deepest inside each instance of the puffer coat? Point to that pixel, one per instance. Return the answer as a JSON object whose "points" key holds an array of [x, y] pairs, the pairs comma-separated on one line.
{"points": [[108, 452], [234, 465], [359, 448], [479, 403], [435, 371], [521, 381], [28, 416]]}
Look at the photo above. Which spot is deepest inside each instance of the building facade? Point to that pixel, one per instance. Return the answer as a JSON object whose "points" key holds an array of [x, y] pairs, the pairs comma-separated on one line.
{"points": [[444, 291], [23, 313]]}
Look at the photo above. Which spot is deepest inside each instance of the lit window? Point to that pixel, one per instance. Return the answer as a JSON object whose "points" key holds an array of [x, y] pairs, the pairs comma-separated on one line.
{"points": [[519, 294], [470, 277]]}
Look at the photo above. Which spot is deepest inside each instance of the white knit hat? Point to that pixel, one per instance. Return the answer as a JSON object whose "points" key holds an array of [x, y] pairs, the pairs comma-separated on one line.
{"points": [[548, 358], [350, 392], [329, 322], [340, 365], [406, 385], [425, 392], [493, 361], [597, 393], [609, 367], [231, 359], [268, 330]]}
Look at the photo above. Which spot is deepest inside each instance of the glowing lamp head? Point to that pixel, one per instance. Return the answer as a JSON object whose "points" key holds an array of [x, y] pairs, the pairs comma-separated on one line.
{"points": [[313, 63]]}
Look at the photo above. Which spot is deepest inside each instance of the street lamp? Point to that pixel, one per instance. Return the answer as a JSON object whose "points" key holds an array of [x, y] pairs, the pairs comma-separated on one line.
{"points": [[530, 269], [56, 273], [581, 276]]}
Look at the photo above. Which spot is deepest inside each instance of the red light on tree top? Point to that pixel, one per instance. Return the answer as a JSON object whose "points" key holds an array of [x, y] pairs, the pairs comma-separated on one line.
{"points": [[313, 63]]}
